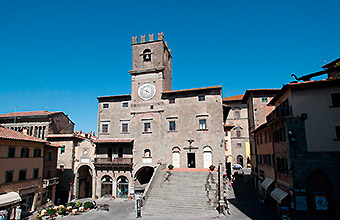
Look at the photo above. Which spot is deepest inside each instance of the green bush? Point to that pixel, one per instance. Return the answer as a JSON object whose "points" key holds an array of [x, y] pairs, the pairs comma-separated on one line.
{"points": [[51, 212], [78, 204], [212, 167], [61, 211], [170, 166], [88, 205]]}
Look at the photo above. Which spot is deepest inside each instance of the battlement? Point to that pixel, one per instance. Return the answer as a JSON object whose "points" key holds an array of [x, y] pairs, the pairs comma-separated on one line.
{"points": [[151, 38]]}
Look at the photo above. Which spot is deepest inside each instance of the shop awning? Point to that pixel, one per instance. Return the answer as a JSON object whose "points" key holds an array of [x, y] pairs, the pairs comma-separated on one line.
{"points": [[266, 183], [9, 198], [278, 194]]}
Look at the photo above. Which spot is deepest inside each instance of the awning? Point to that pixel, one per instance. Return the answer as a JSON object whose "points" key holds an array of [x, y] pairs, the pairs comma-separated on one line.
{"points": [[113, 140], [9, 198], [278, 194], [266, 183]]}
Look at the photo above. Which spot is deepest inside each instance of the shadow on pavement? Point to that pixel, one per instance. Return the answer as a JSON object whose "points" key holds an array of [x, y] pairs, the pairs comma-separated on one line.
{"points": [[247, 200]]}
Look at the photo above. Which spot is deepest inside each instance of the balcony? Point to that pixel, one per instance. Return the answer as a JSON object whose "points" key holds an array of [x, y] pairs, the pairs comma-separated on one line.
{"points": [[279, 112], [107, 163]]}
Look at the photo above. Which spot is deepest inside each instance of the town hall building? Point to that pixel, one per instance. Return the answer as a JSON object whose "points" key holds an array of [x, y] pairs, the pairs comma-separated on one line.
{"points": [[155, 124]]}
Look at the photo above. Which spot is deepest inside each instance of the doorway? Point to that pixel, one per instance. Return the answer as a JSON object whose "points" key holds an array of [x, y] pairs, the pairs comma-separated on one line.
{"points": [[122, 187], [191, 160]]}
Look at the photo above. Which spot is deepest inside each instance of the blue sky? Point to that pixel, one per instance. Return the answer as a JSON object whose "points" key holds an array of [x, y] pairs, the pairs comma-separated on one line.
{"points": [[60, 55]]}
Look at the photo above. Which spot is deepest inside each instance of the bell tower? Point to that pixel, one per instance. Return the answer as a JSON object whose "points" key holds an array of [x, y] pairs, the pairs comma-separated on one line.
{"points": [[151, 68]]}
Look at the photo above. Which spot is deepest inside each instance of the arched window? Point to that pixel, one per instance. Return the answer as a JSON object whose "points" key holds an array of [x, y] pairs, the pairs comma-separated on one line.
{"points": [[147, 153], [147, 55]]}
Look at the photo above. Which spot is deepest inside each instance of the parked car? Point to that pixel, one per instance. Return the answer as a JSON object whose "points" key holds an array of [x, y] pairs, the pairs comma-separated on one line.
{"points": [[238, 169]]}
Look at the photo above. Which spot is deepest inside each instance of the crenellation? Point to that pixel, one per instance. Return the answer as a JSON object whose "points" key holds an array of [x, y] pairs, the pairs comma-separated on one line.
{"points": [[134, 40], [160, 36], [151, 37], [142, 39]]}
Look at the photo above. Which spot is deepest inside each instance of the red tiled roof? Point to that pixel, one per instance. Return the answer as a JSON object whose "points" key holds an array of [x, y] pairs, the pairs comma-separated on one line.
{"points": [[28, 113], [194, 89], [6, 133], [234, 98], [259, 91], [114, 140]]}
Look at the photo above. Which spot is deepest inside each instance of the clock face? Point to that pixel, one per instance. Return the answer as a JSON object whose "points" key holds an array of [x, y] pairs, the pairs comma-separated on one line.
{"points": [[147, 91]]}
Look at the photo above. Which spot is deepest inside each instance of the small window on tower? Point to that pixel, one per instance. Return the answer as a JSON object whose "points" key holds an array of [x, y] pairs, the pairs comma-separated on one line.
{"points": [[147, 55]]}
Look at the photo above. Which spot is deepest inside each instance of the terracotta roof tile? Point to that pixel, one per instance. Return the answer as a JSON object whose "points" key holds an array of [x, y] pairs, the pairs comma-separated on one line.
{"points": [[234, 98], [28, 113], [194, 89], [6, 133]]}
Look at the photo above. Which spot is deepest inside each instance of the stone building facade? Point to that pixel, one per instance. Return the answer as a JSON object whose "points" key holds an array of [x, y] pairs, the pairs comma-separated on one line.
{"points": [[306, 132], [237, 137], [155, 124], [257, 104], [38, 123], [21, 170]]}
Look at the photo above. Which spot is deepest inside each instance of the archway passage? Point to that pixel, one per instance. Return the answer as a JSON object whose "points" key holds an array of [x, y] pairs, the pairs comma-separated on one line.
{"points": [[106, 189], [84, 182], [122, 187], [320, 194], [240, 160], [144, 175]]}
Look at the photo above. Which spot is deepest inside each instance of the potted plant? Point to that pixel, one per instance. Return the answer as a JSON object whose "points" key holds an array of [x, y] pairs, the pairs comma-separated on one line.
{"points": [[88, 205], [170, 166], [212, 167], [78, 204], [51, 213]]}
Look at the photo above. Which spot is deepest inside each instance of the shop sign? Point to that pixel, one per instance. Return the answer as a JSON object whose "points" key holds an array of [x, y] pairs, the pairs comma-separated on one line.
{"points": [[321, 203], [301, 203]]}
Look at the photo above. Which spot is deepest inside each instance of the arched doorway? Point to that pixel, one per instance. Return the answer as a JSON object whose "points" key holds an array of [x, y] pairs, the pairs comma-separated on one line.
{"points": [[106, 189], [320, 194], [143, 175], [122, 187], [84, 182], [240, 160], [207, 157], [176, 157]]}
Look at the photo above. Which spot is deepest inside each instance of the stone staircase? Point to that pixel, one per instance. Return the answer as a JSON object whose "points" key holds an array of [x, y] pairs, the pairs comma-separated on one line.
{"points": [[182, 194]]}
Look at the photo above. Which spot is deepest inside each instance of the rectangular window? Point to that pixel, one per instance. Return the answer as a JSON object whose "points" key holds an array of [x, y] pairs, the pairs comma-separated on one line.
{"points": [[337, 130], [147, 127], [202, 124], [48, 173], [62, 149], [106, 105], [239, 145], [37, 152], [35, 173], [105, 128], [125, 128], [264, 99], [9, 176], [237, 114], [49, 157], [201, 98], [22, 174], [125, 104], [25, 152], [238, 134], [171, 101], [336, 99], [172, 125], [11, 152]]}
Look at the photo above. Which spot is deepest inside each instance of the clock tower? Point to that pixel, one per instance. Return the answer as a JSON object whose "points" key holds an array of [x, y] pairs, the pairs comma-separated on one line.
{"points": [[151, 72]]}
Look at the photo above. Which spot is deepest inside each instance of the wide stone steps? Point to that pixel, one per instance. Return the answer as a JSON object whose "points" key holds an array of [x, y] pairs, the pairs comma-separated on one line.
{"points": [[181, 194]]}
